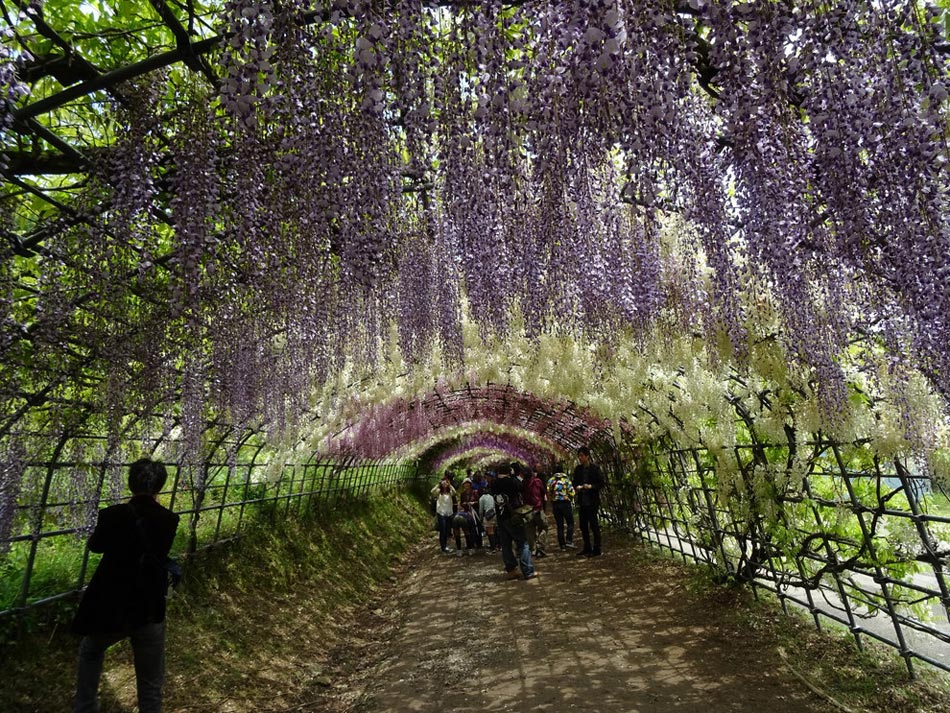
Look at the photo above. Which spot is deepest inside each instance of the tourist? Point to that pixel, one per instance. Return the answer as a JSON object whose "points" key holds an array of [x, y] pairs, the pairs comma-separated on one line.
{"points": [[537, 526], [561, 495], [481, 483], [464, 519], [126, 595], [511, 532], [444, 510], [587, 482], [486, 516]]}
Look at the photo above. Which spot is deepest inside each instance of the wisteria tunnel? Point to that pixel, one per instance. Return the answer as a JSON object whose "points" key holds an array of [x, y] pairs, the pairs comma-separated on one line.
{"points": [[303, 250]]}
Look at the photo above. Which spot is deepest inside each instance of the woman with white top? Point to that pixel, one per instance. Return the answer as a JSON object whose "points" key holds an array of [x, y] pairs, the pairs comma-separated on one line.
{"points": [[444, 510]]}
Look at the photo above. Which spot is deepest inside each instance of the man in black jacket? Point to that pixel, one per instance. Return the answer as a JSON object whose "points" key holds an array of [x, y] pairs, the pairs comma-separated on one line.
{"points": [[511, 530], [587, 481], [126, 595]]}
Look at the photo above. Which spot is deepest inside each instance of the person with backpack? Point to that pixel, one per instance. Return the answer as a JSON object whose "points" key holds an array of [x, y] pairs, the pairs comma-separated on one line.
{"points": [[126, 594], [587, 482], [507, 490], [561, 495]]}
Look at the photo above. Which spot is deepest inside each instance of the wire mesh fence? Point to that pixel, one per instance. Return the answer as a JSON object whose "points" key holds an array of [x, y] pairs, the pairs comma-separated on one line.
{"points": [[828, 527], [825, 526], [44, 556]]}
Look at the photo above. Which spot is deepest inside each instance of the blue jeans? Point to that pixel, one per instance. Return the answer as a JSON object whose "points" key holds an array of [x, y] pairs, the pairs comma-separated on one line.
{"points": [[509, 534], [148, 649], [445, 524]]}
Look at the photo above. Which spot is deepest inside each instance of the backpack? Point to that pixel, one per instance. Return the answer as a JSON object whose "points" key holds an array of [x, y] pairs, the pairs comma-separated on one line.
{"points": [[513, 507], [501, 506]]}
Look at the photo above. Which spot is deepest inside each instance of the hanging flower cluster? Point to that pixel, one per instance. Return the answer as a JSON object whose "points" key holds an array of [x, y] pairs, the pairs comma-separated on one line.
{"points": [[543, 144], [12, 467], [367, 164]]}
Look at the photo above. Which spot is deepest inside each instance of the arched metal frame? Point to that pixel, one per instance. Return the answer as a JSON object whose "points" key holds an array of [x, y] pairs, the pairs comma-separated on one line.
{"points": [[668, 495], [405, 421], [674, 503]]}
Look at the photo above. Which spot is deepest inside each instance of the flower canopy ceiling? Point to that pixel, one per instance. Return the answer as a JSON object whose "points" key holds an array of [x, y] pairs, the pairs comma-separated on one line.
{"points": [[209, 207], [463, 419]]}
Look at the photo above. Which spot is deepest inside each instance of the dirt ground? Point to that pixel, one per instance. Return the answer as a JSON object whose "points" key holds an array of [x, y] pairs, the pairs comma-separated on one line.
{"points": [[606, 634]]}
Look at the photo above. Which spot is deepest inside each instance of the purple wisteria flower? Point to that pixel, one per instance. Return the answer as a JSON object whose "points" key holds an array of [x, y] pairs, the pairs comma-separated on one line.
{"points": [[361, 167]]}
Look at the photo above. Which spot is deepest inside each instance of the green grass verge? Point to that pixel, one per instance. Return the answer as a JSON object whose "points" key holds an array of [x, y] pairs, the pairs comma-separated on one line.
{"points": [[249, 623]]}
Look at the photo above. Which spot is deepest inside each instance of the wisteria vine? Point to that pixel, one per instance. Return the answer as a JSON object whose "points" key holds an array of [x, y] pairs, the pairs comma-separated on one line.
{"points": [[366, 164]]}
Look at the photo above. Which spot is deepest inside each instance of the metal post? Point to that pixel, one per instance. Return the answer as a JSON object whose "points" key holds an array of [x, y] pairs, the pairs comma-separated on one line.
{"points": [[38, 517], [717, 530], [869, 542], [926, 539]]}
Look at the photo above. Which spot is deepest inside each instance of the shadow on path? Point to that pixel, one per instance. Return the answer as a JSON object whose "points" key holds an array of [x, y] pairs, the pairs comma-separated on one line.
{"points": [[601, 635]]}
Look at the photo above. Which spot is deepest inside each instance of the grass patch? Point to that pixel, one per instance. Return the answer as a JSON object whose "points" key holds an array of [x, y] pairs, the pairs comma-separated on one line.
{"points": [[251, 625]]}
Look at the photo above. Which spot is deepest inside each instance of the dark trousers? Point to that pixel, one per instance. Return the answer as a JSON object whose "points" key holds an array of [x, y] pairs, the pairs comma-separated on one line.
{"points": [[564, 517], [590, 526], [148, 650], [445, 524], [537, 530], [469, 531], [478, 534]]}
